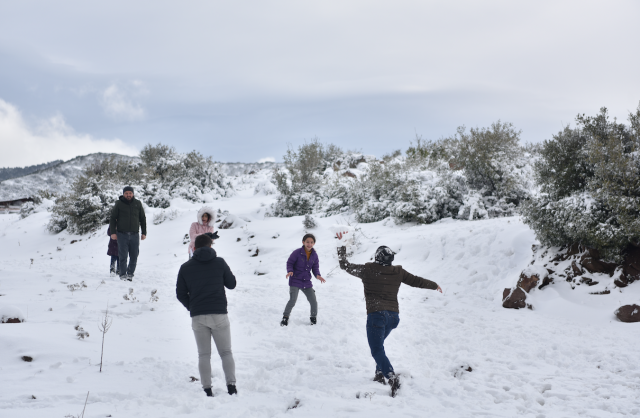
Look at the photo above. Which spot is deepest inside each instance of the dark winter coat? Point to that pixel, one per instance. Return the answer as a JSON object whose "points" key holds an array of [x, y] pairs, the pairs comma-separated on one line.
{"points": [[301, 268], [381, 283], [128, 216], [201, 283], [113, 244]]}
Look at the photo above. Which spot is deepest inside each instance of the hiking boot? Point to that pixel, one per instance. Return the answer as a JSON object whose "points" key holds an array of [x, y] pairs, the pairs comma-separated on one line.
{"points": [[313, 320], [232, 389], [130, 277], [394, 382], [379, 377], [123, 277], [285, 321], [208, 392]]}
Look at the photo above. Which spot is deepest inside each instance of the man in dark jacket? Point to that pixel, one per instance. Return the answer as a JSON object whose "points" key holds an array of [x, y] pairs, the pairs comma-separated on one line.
{"points": [[200, 288], [127, 218], [381, 283]]}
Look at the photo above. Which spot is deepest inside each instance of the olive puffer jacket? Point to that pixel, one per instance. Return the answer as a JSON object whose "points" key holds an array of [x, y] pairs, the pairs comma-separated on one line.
{"points": [[381, 283], [128, 216]]}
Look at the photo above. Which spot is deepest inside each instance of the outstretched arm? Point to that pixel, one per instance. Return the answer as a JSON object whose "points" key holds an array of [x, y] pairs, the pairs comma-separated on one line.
{"points": [[415, 281], [353, 269]]}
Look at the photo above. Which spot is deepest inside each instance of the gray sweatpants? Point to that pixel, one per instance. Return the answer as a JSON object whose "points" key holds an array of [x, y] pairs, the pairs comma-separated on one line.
{"points": [[293, 297], [217, 326]]}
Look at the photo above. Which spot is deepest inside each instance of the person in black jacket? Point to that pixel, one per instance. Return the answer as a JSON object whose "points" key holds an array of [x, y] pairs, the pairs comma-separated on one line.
{"points": [[200, 288], [127, 218]]}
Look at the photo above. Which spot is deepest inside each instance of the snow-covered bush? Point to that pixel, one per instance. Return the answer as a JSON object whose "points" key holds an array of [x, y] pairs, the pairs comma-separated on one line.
{"points": [[301, 179], [481, 174], [161, 175], [594, 198]]}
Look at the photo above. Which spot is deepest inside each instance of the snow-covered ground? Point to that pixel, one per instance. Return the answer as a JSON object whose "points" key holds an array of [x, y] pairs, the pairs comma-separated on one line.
{"points": [[567, 357]]}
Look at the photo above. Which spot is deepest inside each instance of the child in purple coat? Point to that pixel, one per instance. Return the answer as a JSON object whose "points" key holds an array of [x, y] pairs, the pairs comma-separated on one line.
{"points": [[299, 266], [113, 252]]}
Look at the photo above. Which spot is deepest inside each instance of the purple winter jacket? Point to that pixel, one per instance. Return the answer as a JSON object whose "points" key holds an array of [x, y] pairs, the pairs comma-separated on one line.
{"points": [[113, 244], [301, 268]]}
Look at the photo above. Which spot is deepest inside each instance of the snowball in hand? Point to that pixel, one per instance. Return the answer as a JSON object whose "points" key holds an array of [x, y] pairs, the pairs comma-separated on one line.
{"points": [[347, 238]]}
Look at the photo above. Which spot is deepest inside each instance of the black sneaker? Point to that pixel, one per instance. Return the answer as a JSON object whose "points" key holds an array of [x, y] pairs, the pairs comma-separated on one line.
{"points": [[232, 389], [208, 392], [285, 321], [130, 277], [379, 377], [313, 320], [394, 382]]}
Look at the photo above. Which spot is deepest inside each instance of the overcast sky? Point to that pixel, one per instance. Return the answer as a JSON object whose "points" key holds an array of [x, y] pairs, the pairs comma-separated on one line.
{"points": [[239, 80]]}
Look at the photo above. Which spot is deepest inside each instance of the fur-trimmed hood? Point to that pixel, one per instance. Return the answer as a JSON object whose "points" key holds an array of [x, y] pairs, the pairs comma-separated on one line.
{"points": [[212, 215]]}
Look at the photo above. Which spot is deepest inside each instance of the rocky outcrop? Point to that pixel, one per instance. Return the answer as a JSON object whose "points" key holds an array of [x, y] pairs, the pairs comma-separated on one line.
{"points": [[630, 267], [628, 313], [579, 266], [531, 278]]}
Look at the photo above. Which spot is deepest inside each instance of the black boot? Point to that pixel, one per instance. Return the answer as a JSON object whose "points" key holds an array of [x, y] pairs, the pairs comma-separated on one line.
{"points": [[285, 321], [232, 389], [313, 320], [379, 377], [394, 382], [208, 392]]}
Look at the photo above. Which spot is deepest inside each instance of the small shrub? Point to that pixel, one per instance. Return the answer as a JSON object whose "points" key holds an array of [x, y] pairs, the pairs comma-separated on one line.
{"points": [[308, 222]]}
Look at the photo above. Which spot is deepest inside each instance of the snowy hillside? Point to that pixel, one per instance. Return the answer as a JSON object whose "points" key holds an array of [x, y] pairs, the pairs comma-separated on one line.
{"points": [[54, 179], [58, 177], [460, 353]]}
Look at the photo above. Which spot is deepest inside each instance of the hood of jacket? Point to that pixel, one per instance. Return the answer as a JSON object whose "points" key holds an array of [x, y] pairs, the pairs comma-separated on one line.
{"points": [[212, 215], [204, 254]]}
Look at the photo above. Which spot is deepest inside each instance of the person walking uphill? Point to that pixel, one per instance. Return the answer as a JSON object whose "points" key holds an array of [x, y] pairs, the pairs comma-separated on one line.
{"points": [[381, 282], [200, 288], [299, 266], [127, 218]]}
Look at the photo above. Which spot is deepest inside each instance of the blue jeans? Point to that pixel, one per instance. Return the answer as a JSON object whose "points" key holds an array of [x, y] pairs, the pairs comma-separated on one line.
{"points": [[379, 326], [128, 245]]}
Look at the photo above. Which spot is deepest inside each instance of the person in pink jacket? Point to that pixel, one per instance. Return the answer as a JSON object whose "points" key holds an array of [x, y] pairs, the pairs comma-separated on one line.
{"points": [[206, 218]]}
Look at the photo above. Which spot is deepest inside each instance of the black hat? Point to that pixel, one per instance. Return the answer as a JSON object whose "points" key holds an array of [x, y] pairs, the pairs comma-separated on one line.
{"points": [[384, 255], [127, 189]]}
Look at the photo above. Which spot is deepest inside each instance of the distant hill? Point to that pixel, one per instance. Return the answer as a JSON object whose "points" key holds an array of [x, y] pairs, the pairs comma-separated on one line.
{"points": [[13, 172], [57, 176]]}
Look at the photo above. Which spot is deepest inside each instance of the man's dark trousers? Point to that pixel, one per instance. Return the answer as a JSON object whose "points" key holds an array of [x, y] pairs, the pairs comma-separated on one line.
{"points": [[128, 245], [379, 326]]}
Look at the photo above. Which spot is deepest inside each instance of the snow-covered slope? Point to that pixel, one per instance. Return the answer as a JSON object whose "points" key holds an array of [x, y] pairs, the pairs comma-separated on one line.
{"points": [[568, 357], [58, 177], [55, 179]]}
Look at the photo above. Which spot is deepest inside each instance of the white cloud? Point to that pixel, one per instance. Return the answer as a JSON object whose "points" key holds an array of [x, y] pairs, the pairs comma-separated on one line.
{"points": [[118, 103], [52, 139], [267, 160]]}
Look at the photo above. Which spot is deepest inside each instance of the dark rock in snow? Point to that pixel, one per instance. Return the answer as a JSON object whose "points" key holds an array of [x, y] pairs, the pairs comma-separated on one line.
{"points": [[28, 359], [595, 265], [577, 270], [528, 282], [11, 320], [514, 299], [628, 313]]}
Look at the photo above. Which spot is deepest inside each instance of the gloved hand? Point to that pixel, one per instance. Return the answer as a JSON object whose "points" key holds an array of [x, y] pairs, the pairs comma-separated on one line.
{"points": [[212, 236]]}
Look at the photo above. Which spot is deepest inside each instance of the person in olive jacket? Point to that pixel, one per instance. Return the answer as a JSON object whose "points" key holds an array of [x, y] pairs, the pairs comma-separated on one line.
{"points": [[127, 218], [382, 282]]}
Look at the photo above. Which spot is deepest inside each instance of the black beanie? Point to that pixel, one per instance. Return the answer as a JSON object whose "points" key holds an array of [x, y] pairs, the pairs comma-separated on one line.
{"points": [[127, 189]]}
